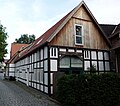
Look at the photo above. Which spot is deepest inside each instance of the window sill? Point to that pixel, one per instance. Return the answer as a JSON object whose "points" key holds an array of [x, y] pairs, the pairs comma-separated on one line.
{"points": [[78, 44]]}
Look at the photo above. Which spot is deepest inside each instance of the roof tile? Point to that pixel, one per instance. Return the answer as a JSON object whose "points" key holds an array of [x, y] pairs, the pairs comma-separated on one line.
{"points": [[16, 47]]}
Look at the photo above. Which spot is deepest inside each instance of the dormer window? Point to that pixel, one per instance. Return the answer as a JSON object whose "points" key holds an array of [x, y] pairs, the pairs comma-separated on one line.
{"points": [[78, 34]]}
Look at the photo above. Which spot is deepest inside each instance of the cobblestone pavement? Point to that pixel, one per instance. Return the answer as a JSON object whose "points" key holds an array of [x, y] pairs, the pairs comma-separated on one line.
{"points": [[13, 95], [1, 76]]}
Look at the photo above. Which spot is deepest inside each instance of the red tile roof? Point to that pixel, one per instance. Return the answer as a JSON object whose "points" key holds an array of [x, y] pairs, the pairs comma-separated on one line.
{"points": [[16, 47], [44, 38]]}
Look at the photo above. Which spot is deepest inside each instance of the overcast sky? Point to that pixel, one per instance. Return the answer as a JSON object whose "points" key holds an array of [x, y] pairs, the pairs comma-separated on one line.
{"points": [[36, 16]]}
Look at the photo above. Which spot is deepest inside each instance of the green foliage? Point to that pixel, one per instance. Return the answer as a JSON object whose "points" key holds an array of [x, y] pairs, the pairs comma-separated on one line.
{"points": [[89, 90], [25, 39], [3, 43], [92, 69]]}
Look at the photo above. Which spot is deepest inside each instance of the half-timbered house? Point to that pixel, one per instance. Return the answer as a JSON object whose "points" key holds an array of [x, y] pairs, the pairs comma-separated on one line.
{"points": [[72, 45], [16, 49]]}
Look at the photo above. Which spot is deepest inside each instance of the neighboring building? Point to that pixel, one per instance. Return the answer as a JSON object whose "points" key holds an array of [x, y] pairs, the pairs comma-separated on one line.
{"points": [[10, 66], [15, 47], [113, 32], [72, 45]]}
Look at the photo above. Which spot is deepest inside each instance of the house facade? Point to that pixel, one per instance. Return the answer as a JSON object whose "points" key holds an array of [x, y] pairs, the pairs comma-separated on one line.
{"points": [[115, 40], [15, 52], [113, 33], [72, 45]]}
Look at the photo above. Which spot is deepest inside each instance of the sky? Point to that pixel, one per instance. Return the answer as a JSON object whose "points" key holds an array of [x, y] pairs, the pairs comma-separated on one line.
{"points": [[36, 16]]}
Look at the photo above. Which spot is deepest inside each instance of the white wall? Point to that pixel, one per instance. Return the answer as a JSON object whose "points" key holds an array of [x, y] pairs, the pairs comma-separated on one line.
{"points": [[12, 70], [37, 64]]}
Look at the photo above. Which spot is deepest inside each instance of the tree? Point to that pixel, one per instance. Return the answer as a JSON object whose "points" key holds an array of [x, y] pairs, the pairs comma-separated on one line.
{"points": [[25, 39], [3, 43]]}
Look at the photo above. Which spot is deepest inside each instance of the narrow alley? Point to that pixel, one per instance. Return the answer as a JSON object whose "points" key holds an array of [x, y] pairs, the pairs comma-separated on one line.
{"points": [[13, 95]]}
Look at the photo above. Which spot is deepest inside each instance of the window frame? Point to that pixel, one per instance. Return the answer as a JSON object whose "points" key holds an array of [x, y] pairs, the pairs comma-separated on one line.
{"points": [[79, 35], [71, 66], [53, 52], [72, 69], [86, 54]]}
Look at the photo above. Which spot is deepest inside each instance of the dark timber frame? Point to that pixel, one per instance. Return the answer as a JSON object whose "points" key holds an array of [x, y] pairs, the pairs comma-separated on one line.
{"points": [[45, 62]]}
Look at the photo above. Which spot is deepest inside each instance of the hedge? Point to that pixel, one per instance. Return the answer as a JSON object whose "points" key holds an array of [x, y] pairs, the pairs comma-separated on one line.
{"points": [[89, 90]]}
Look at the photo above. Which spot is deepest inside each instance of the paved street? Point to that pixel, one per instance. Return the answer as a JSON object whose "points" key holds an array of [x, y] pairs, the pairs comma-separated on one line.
{"points": [[13, 95], [1, 75]]}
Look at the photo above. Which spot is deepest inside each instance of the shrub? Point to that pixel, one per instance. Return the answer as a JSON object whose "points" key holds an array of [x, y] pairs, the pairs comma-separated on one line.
{"points": [[89, 90], [92, 69]]}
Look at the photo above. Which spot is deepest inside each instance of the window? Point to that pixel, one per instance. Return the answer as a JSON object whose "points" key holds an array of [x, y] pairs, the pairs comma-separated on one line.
{"points": [[35, 57], [38, 75], [41, 75], [78, 34], [53, 52], [68, 62], [65, 62], [86, 54], [76, 62]]}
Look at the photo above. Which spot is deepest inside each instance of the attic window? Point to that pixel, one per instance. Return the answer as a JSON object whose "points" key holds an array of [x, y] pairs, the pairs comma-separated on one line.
{"points": [[78, 34]]}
